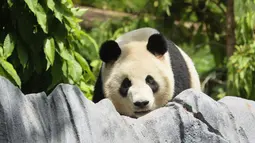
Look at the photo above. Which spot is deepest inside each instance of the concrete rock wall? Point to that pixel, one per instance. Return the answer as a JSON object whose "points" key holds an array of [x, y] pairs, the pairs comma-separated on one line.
{"points": [[66, 116]]}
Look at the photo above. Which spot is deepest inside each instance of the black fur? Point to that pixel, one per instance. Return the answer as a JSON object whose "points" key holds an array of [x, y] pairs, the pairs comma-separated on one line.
{"points": [[124, 87], [109, 51], [98, 91], [179, 68], [157, 44], [152, 83]]}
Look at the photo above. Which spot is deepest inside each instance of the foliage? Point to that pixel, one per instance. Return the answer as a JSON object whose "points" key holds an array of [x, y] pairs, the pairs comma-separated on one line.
{"points": [[131, 6], [40, 45], [191, 24], [241, 66]]}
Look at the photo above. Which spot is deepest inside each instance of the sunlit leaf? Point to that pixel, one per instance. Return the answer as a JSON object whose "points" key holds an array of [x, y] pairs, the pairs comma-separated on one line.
{"points": [[64, 68], [42, 18], [10, 3], [11, 71], [63, 1], [74, 70], [84, 64], [49, 51], [51, 4], [87, 89], [8, 46], [78, 11], [32, 4], [58, 15], [63, 52], [1, 51]]}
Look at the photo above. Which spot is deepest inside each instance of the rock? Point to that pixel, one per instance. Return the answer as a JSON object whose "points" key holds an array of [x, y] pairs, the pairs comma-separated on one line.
{"points": [[67, 116]]}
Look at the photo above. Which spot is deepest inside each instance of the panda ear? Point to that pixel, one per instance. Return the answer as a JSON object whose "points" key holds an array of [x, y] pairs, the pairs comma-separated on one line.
{"points": [[109, 51], [157, 45]]}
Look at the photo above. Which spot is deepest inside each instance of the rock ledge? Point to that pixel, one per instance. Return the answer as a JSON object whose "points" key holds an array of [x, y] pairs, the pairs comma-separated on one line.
{"points": [[67, 116]]}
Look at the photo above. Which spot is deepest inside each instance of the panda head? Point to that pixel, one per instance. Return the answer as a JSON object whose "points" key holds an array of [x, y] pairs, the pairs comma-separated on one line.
{"points": [[136, 75]]}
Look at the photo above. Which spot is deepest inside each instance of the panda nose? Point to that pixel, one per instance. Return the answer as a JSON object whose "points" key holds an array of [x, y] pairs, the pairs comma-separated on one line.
{"points": [[141, 104]]}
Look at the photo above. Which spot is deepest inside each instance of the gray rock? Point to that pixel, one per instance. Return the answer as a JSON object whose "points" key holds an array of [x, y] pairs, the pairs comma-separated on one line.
{"points": [[66, 116]]}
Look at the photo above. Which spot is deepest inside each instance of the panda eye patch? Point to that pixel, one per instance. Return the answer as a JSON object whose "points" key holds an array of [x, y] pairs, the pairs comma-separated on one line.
{"points": [[125, 85], [152, 83]]}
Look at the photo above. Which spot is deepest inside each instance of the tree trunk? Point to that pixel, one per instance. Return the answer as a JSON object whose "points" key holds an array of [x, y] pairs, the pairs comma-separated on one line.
{"points": [[230, 28]]}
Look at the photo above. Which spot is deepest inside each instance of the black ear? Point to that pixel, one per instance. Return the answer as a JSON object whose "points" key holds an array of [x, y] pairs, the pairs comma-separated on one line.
{"points": [[109, 51], [157, 45]]}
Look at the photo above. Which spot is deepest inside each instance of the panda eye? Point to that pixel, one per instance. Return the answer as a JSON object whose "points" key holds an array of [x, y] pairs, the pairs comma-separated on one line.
{"points": [[152, 83], [125, 85]]}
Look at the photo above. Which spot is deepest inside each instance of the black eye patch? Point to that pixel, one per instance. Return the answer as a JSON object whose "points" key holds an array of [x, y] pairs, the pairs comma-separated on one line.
{"points": [[125, 85], [152, 83]]}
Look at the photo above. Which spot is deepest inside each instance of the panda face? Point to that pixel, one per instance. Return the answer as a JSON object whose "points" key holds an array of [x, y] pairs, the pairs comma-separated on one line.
{"points": [[126, 84], [138, 82]]}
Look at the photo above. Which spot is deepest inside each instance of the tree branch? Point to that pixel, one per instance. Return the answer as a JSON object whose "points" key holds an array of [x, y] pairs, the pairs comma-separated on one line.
{"points": [[230, 28]]}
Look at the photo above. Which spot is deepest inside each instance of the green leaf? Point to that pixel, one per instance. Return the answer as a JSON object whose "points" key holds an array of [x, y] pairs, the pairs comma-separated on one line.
{"points": [[49, 51], [82, 61], [84, 64], [22, 54], [38, 10], [58, 15], [78, 11], [51, 4], [71, 68], [96, 47], [63, 1], [64, 68], [32, 4], [68, 3], [74, 70], [4, 74], [63, 52], [10, 70], [95, 63], [8, 46], [41, 18], [59, 12], [87, 89], [1, 51], [62, 11], [10, 3]]}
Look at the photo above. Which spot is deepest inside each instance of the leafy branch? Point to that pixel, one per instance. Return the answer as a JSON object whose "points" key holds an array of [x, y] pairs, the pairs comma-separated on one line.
{"points": [[42, 45]]}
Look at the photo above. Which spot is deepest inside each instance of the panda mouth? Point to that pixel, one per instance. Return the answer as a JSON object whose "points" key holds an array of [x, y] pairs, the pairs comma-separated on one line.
{"points": [[142, 112]]}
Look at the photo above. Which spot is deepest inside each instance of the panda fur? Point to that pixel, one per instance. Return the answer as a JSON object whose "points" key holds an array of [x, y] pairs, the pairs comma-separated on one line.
{"points": [[128, 61]]}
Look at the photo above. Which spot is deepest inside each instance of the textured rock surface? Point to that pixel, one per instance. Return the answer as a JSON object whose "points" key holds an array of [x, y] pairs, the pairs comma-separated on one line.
{"points": [[66, 116]]}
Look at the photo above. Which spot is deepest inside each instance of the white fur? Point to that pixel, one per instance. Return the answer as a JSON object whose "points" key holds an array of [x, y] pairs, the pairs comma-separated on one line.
{"points": [[135, 63], [141, 34], [137, 92], [136, 67]]}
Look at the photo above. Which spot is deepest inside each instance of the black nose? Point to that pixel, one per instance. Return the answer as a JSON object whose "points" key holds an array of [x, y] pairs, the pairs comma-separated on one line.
{"points": [[141, 104]]}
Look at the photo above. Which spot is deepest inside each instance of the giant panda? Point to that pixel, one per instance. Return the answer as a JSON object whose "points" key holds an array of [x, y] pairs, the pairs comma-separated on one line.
{"points": [[142, 71]]}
